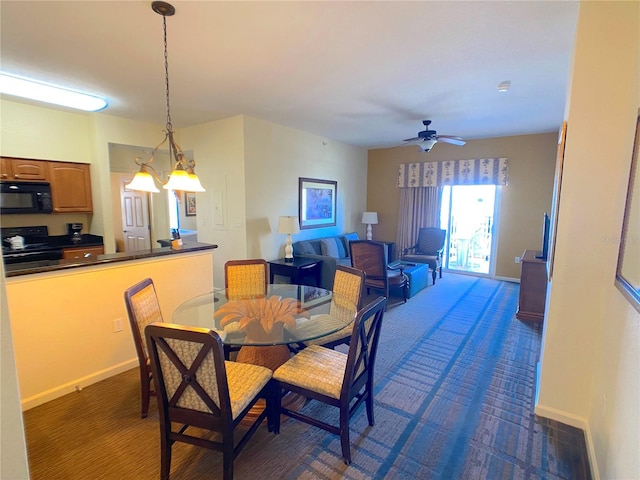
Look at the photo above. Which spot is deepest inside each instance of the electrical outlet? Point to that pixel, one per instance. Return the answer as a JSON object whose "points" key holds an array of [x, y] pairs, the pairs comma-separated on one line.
{"points": [[117, 325], [517, 260]]}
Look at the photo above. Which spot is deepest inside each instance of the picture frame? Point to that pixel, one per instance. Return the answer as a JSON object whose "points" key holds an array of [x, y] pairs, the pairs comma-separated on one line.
{"points": [[557, 187], [317, 202], [628, 268], [190, 209]]}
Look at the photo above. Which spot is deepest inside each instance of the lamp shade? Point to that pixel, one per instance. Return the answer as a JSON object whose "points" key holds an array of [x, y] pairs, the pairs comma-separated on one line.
{"points": [[370, 218], [143, 182], [183, 181], [288, 224]]}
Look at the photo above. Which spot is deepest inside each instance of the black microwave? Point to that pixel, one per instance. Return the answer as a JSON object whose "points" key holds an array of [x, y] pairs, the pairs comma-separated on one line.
{"points": [[25, 197]]}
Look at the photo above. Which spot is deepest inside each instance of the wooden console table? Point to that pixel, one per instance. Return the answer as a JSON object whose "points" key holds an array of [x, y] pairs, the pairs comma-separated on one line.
{"points": [[533, 287]]}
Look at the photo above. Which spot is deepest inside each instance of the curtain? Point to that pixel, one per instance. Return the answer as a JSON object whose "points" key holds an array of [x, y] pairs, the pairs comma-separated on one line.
{"points": [[419, 207], [478, 171]]}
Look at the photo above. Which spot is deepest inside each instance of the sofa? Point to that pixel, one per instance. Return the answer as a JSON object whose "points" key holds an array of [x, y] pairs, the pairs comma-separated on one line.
{"points": [[332, 251]]}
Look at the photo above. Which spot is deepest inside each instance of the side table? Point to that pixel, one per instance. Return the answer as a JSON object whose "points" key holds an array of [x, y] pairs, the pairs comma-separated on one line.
{"points": [[297, 270]]}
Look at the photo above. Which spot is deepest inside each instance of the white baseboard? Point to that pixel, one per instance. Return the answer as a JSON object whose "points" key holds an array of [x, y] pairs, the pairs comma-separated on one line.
{"points": [[508, 279], [61, 390], [574, 421]]}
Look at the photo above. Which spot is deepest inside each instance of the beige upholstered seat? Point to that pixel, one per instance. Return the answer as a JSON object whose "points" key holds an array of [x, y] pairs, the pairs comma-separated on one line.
{"points": [[428, 249], [197, 388], [348, 285], [142, 308], [335, 378]]}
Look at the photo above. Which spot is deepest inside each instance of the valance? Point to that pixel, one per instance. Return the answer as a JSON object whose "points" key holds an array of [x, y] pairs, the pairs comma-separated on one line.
{"points": [[476, 171]]}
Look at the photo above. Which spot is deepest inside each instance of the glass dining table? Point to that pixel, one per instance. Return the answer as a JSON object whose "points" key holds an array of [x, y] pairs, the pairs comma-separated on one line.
{"points": [[264, 324]]}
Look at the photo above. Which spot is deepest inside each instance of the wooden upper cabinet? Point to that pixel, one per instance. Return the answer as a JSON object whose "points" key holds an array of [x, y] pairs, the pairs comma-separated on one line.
{"points": [[24, 170], [70, 187]]}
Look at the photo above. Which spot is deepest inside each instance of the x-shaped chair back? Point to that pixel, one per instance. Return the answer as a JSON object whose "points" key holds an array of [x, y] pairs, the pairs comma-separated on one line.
{"points": [[362, 350], [191, 374]]}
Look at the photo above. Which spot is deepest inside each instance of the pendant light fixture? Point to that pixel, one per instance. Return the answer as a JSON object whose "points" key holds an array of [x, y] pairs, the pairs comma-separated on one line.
{"points": [[183, 177]]}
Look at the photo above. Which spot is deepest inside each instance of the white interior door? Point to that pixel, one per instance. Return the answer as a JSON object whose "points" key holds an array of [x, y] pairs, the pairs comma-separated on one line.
{"points": [[135, 219]]}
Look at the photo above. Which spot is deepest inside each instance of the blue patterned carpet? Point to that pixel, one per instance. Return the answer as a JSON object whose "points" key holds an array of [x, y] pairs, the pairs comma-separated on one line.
{"points": [[454, 399], [457, 403]]}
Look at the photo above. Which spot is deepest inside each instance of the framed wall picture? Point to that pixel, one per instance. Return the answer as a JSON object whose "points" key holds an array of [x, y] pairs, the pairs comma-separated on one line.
{"points": [[556, 196], [317, 202], [628, 270], [189, 204]]}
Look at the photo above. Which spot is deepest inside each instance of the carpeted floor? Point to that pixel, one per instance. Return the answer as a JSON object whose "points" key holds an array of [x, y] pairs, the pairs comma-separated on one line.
{"points": [[455, 381]]}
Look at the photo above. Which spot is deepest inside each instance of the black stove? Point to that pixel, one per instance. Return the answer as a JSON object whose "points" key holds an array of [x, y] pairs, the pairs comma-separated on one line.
{"points": [[37, 246]]}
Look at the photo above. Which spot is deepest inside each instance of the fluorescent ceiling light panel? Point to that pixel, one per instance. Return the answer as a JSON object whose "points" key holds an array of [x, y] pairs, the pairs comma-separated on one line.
{"points": [[21, 87]]}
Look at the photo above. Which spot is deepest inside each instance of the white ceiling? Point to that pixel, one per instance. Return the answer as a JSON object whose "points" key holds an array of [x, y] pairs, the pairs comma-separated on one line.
{"points": [[364, 72]]}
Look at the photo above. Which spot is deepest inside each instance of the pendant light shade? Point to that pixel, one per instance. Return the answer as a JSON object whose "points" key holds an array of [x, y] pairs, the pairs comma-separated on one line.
{"points": [[142, 182], [181, 180]]}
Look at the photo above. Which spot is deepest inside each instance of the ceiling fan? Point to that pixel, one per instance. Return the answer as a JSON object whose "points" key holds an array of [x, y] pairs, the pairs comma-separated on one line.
{"points": [[427, 139]]}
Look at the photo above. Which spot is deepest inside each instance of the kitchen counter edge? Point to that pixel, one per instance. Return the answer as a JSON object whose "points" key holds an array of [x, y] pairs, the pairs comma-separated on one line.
{"points": [[56, 265]]}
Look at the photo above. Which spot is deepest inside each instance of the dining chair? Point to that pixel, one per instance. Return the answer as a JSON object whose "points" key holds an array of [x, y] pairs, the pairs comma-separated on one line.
{"points": [[245, 278], [342, 380], [197, 388], [371, 258], [142, 308], [348, 288]]}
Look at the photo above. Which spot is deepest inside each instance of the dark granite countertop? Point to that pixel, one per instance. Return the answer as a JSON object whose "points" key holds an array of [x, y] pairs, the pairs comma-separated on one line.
{"points": [[54, 265]]}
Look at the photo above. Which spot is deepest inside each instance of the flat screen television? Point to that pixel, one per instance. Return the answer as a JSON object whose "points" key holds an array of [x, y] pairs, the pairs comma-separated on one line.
{"points": [[546, 231]]}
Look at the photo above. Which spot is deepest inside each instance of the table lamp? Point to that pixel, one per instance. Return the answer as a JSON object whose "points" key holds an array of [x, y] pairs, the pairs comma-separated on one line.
{"points": [[370, 218], [288, 225]]}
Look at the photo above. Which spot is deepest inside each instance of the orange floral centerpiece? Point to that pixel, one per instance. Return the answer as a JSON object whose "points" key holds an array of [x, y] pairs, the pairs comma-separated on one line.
{"points": [[262, 319]]}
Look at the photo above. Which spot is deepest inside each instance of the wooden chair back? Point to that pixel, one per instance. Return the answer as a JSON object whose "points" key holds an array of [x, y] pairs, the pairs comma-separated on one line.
{"points": [[363, 348], [142, 309]]}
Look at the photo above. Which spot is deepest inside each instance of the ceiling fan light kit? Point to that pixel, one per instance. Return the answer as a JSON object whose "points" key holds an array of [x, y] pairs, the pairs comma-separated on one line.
{"points": [[428, 138], [504, 86]]}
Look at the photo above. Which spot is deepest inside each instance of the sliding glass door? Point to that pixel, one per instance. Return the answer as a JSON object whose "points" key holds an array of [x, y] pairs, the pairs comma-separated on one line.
{"points": [[468, 214]]}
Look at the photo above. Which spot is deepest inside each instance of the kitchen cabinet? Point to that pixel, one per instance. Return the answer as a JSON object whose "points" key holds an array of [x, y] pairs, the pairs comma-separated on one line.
{"points": [[24, 170], [70, 187], [82, 252]]}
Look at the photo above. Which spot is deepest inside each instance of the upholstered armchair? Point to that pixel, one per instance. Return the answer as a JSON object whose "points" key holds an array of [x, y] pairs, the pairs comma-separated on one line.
{"points": [[428, 249]]}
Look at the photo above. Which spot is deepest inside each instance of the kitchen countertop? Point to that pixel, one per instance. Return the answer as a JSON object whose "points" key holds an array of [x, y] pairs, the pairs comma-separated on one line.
{"points": [[55, 265]]}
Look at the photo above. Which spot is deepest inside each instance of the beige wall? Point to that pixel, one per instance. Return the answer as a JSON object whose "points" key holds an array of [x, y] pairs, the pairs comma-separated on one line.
{"points": [[62, 322], [250, 168], [276, 157], [523, 201], [591, 350]]}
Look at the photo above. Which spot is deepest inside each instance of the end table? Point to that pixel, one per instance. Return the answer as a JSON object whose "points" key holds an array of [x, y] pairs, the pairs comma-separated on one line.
{"points": [[297, 270]]}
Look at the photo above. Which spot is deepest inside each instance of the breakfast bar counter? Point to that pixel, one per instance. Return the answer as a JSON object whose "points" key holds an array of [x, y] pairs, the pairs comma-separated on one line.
{"points": [[42, 266]]}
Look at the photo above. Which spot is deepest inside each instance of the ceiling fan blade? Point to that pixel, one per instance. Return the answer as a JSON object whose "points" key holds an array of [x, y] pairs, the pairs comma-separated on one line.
{"points": [[414, 139], [452, 140]]}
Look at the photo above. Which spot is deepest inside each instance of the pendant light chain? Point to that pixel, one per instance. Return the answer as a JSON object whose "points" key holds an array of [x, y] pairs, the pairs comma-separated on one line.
{"points": [[166, 72]]}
